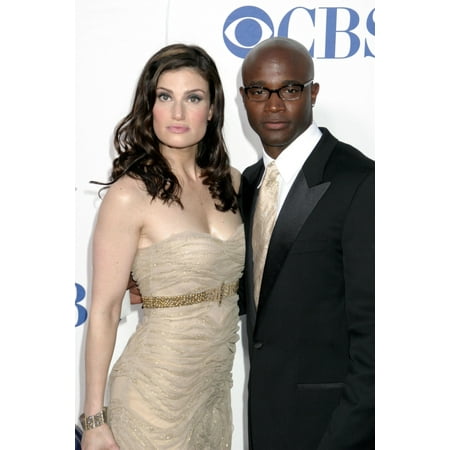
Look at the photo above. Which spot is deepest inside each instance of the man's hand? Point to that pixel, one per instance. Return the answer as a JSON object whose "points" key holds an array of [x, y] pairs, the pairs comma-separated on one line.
{"points": [[135, 294]]}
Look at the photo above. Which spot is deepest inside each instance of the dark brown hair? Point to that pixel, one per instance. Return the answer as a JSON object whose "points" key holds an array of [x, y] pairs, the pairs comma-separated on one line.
{"points": [[137, 145]]}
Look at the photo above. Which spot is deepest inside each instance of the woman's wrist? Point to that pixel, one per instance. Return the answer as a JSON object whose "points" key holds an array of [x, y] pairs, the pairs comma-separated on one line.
{"points": [[94, 420]]}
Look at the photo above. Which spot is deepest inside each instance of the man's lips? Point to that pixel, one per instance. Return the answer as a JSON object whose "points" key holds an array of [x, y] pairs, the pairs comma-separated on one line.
{"points": [[275, 125]]}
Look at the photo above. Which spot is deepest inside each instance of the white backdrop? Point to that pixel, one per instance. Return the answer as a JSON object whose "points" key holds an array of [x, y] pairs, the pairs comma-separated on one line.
{"points": [[114, 40]]}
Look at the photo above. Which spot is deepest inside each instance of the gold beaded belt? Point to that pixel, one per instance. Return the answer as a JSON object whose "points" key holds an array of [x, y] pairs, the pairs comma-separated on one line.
{"points": [[210, 295]]}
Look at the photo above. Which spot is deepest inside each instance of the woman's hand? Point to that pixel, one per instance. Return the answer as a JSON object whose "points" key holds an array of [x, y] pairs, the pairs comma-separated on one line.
{"points": [[99, 438]]}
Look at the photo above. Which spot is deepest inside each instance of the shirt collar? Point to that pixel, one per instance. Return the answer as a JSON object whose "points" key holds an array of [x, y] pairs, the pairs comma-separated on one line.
{"points": [[291, 159]]}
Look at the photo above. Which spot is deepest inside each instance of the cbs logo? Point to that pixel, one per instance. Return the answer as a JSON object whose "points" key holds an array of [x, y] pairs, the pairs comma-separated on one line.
{"points": [[80, 294], [329, 32]]}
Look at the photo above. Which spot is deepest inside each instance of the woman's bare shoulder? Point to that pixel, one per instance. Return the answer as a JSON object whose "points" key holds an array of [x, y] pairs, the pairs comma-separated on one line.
{"points": [[126, 191]]}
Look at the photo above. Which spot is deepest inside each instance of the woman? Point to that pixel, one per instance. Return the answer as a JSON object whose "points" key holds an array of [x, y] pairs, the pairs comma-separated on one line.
{"points": [[170, 218]]}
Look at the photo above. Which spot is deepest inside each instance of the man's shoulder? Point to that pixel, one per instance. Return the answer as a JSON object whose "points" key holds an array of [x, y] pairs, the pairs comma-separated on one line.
{"points": [[347, 157], [252, 171], [352, 157]]}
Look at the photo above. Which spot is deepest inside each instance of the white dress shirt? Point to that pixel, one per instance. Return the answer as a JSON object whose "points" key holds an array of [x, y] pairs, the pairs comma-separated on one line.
{"points": [[291, 160]]}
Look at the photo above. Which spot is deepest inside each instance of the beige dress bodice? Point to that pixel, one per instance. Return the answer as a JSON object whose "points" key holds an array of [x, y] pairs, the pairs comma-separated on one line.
{"points": [[170, 388]]}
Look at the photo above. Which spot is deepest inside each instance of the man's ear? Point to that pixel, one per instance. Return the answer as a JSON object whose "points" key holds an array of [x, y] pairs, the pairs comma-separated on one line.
{"points": [[241, 90], [315, 88]]}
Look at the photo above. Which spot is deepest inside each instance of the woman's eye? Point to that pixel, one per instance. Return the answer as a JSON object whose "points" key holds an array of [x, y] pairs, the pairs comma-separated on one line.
{"points": [[164, 97], [194, 98]]}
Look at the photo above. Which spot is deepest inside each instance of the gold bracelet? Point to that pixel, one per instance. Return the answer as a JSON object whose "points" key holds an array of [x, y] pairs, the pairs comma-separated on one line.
{"points": [[94, 421]]}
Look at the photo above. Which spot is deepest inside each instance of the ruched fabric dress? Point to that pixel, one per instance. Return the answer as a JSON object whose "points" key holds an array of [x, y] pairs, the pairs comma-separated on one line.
{"points": [[170, 388]]}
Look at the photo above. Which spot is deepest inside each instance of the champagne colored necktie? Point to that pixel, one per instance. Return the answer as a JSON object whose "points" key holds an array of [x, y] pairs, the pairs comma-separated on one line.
{"points": [[263, 222]]}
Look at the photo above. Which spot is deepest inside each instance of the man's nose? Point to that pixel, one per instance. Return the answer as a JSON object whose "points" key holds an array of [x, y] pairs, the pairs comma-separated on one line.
{"points": [[274, 102]]}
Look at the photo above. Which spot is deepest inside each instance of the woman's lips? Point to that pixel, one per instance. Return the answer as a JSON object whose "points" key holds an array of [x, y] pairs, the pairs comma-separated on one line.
{"points": [[178, 129]]}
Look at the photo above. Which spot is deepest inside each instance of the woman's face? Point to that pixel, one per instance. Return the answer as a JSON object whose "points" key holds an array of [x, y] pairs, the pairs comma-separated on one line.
{"points": [[182, 108]]}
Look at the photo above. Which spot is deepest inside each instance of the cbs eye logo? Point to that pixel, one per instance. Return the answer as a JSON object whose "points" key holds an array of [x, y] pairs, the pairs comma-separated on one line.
{"points": [[245, 27]]}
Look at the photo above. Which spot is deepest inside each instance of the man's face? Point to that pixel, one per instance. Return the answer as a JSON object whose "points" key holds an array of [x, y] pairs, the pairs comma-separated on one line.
{"points": [[278, 122]]}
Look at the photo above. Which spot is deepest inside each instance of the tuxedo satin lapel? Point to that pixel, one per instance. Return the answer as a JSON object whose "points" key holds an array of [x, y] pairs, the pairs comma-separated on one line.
{"points": [[249, 191], [299, 204]]}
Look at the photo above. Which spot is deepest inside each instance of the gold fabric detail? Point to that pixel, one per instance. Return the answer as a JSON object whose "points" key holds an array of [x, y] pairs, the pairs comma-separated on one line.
{"points": [[211, 295], [263, 223]]}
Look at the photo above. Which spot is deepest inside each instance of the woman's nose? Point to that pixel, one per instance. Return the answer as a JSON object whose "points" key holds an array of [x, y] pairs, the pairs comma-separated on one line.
{"points": [[178, 110]]}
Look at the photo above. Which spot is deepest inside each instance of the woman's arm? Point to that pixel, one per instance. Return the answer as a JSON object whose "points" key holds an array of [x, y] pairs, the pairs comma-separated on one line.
{"points": [[115, 241]]}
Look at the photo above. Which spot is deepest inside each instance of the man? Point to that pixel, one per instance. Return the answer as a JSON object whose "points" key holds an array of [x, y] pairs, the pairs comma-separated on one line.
{"points": [[311, 327]]}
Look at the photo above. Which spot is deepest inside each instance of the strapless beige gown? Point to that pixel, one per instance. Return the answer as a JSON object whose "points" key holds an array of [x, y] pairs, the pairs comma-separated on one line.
{"points": [[170, 388]]}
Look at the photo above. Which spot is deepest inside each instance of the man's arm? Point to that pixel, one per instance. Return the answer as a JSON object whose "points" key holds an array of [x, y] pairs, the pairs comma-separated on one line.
{"points": [[352, 423]]}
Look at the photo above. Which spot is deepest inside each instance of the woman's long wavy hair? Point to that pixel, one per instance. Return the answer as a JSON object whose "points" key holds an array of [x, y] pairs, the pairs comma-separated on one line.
{"points": [[137, 146]]}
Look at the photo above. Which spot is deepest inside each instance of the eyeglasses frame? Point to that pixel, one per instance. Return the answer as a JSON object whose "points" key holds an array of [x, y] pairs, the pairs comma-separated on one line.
{"points": [[277, 91]]}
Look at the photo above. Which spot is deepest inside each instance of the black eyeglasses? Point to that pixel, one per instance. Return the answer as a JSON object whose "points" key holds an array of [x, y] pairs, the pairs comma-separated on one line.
{"points": [[289, 92]]}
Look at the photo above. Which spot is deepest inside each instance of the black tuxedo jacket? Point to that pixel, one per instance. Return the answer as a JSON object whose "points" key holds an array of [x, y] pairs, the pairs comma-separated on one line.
{"points": [[311, 341]]}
